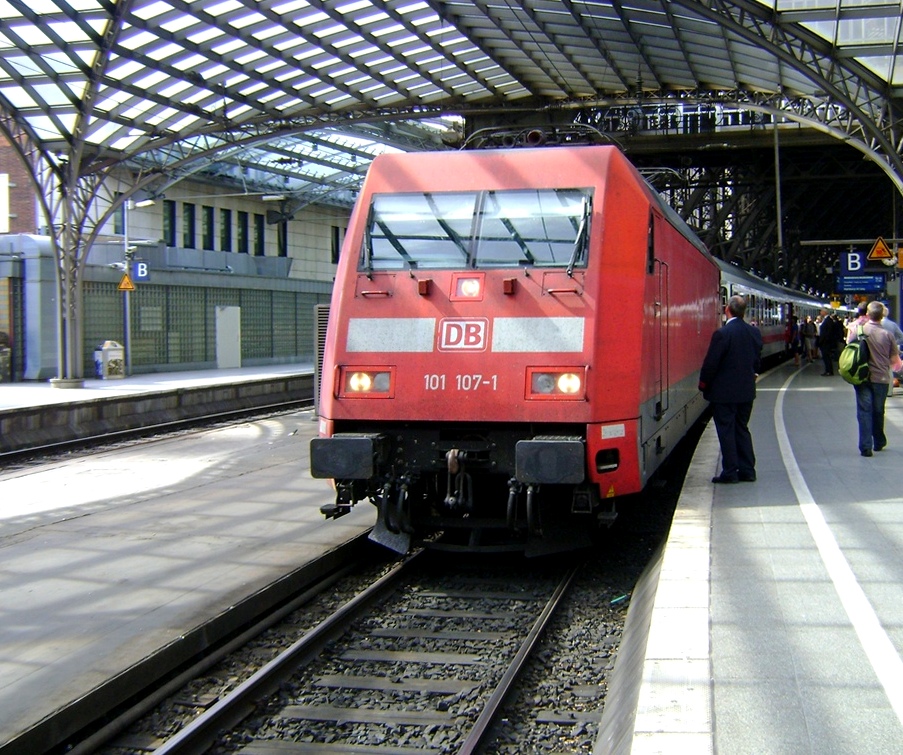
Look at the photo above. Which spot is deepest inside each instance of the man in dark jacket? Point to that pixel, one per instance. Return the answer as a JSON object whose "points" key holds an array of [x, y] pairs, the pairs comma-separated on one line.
{"points": [[728, 381], [830, 333]]}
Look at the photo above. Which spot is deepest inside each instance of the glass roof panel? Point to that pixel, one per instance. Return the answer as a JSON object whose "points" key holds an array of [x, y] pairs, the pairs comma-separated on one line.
{"points": [[880, 64], [137, 39], [204, 35], [18, 97], [280, 62], [47, 128], [220, 9], [309, 19], [867, 30], [30, 34], [242, 22]]}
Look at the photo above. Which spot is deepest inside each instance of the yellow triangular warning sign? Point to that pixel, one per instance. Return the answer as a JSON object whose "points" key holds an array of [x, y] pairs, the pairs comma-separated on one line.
{"points": [[881, 251], [126, 283]]}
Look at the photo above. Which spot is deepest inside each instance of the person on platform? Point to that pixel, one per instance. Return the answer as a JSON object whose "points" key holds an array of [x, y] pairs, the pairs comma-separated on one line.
{"points": [[795, 339], [861, 318], [830, 334], [871, 395], [727, 380], [810, 334], [891, 327]]}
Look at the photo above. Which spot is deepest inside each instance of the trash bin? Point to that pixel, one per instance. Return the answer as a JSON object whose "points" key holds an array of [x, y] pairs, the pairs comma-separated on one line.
{"points": [[109, 360]]}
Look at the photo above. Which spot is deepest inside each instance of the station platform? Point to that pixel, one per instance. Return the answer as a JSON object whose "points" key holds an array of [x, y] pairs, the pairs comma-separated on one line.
{"points": [[34, 393], [36, 413], [772, 622], [109, 557]]}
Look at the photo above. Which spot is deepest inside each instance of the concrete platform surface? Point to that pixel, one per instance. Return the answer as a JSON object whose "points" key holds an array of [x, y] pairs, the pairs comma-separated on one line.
{"points": [[110, 556], [42, 393], [776, 622]]}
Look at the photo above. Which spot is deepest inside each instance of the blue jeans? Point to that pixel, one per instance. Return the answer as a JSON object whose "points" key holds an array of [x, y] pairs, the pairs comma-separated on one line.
{"points": [[870, 399]]}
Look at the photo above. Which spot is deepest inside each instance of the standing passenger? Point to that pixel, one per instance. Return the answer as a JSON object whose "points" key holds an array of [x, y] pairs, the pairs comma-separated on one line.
{"points": [[872, 394], [861, 319], [796, 344], [810, 333], [829, 336], [891, 327], [728, 381]]}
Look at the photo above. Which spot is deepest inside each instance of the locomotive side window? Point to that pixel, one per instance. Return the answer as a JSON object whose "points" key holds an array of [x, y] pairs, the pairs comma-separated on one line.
{"points": [[525, 228]]}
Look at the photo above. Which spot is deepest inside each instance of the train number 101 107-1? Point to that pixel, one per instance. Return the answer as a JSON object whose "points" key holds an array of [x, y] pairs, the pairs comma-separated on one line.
{"points": [[465, 382]]}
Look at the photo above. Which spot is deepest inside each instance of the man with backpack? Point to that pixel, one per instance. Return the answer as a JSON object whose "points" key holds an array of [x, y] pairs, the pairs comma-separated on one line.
{"points": [[872, 393]]}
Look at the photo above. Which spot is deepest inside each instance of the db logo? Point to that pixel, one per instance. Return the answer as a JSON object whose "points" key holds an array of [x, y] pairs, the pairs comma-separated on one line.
{"points": [[463, 335]]}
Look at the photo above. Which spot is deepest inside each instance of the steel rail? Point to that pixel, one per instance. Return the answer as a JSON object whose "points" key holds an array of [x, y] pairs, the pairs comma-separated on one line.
{"points": [[232, 709], [479, 729]]}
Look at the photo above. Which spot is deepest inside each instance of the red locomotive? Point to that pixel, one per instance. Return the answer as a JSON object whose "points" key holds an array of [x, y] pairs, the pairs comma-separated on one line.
{"points": [[514, 341]]}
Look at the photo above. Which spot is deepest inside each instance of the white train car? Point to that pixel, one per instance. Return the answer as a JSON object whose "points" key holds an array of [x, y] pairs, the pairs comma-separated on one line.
{"points": [[769, 306]]}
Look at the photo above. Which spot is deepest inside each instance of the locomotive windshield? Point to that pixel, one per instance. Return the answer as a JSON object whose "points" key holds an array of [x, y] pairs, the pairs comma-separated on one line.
{"points": [[478, 229]]}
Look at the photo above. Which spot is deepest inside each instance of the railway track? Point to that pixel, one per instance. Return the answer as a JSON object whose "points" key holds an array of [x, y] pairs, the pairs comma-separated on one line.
{"points": [[485, 617], [41, 452], [60, 427], [426, 670]]}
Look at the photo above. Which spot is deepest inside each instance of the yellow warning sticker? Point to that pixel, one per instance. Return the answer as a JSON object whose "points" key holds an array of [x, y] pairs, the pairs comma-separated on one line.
{"points": [[126, 283], [881, 251]]}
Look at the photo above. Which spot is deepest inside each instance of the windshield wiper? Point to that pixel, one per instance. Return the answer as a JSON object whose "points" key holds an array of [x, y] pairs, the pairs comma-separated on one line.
{"points": [[582, 239], [368, 246]]}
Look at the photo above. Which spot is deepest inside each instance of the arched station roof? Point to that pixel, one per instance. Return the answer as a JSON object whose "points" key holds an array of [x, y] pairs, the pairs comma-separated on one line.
{"points": [[295, 97]]}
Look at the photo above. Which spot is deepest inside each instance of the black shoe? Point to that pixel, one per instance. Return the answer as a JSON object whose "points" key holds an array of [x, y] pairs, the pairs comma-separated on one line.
{"points": [[866, 452], [747, 478], [722, 480], [826, 373], [879, 448]]}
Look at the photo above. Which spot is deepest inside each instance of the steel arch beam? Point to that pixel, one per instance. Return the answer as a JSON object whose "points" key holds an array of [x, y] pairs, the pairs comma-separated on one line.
{"points": [[857, 103]]}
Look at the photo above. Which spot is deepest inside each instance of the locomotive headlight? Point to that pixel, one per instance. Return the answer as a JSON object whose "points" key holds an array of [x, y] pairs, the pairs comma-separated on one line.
{"points": [[543, 382], [366, 382], [467, 287], [360, 382], [552, 383], [569, 383]]}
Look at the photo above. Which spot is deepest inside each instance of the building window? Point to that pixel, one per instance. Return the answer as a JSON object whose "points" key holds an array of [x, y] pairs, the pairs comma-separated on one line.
{"points": [[259, 226], [188, 225], [243, 247], [282, 238], [225, 230], [169, 222], [119, 219], [336, 244], [207, 229]]}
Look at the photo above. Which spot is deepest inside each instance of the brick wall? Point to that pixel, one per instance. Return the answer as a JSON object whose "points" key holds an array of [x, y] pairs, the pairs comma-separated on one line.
{"points": [[22, 206]]}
